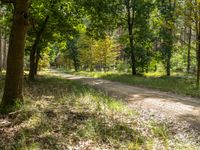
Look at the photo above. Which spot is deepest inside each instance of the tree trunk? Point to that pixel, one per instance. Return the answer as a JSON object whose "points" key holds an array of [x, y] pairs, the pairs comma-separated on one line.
{"points": [[133, 66], [32, 62], [75, 65], [130, 21], [15, 61], [197, 23], [34, 50], [168, 35], [1, 50], [5, 52], [37, 62], [189, 50], [75, 59], [198, 60], [169, 63], [169, 51], [198, 45], [189, 44]]}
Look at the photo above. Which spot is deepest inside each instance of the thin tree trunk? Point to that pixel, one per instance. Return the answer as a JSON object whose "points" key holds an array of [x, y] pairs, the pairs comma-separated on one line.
{"points": [[133, 66], [34, 50], [198, 60], [1, 55], [37, 62], [1, 48], [169, 41], [15, 61], [189, 44], [169, 53], [198, 45], [169, 63], [189, 50], [5, 52], [32, 63], [130, 21]]}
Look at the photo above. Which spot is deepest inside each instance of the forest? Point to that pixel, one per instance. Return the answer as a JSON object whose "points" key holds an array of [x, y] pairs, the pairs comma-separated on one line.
{"points": [[99, 74]]}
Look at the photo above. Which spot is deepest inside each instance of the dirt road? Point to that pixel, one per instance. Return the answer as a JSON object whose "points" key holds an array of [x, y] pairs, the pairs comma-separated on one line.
{"points": [[178, 107]]}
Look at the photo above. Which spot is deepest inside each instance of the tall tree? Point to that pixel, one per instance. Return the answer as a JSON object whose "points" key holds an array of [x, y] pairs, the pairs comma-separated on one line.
{"points": [[167, 10], [33, 52], [14, 73], [198, 40], [73, 51], [189, 43], [1, 51], [130, 8]]}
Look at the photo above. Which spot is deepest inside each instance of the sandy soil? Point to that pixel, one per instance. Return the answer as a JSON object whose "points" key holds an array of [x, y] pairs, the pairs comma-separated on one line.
{"points": [[180, 108]]}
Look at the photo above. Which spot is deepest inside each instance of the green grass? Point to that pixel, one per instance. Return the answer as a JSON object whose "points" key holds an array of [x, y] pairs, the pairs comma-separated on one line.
{"points": [[62, 114], [177, 83]]}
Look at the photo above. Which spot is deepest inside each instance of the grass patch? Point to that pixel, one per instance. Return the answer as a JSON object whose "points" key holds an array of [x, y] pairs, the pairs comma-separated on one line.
{"points": [[63, 114], [177, 83]]}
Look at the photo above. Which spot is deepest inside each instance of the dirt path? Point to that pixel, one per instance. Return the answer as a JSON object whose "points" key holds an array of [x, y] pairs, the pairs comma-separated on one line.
{"points": [[178, 107]]}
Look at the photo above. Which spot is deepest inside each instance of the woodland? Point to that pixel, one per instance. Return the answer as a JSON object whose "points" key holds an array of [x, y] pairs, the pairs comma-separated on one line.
{"points": [[51, 52]]}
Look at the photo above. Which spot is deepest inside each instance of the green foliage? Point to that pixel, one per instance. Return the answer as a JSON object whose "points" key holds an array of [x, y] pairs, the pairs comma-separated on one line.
{"points": [[93, 35], [44, 62], [88, 53], [122, 66]]}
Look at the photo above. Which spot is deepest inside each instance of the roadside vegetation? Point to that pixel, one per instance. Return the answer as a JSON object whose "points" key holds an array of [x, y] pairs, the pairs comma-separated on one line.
{"points": [[63, 114], [183, 84]]}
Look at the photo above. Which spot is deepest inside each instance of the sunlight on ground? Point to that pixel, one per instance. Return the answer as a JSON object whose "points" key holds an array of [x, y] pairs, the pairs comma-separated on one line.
{"points": [[178, 83], [63, 114]]}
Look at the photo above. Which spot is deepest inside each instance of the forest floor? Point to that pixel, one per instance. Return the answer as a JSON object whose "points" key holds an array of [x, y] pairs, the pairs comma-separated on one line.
{"points": [[156, 102], [63, 111]]}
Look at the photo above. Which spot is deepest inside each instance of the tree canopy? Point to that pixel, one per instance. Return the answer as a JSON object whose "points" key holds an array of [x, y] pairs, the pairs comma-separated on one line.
{"points": [[134, 36]]}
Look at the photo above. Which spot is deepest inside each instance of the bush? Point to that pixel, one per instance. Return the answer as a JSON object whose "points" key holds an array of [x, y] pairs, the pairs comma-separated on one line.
{"points": [[123, 66]]}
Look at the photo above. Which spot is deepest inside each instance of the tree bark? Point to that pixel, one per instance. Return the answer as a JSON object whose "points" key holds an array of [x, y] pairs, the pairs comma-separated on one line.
{"points": [[14, 72], [34, 50]]}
